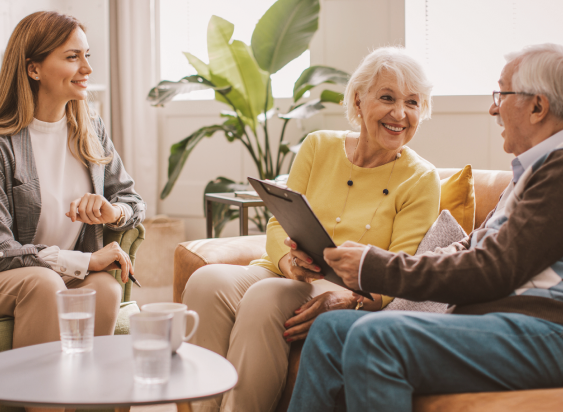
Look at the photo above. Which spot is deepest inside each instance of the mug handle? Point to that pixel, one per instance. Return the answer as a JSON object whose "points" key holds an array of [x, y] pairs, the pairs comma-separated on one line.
{"points": [[195, 316]]}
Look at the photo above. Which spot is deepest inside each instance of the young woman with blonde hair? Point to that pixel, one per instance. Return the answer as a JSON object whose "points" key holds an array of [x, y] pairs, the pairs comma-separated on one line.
{"points": [[60, 181]]}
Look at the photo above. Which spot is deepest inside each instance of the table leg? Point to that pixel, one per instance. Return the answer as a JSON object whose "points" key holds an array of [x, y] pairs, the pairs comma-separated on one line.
{"points": [[209, 220], [184, 407], [243, 220], [123, 409]]}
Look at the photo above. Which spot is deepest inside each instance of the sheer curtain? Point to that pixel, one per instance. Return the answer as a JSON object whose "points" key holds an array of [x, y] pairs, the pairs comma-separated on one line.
{"points": [[463, 43], [133, 73]]}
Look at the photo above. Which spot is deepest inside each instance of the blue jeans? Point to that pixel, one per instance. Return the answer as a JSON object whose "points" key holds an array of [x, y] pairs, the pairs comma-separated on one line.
{"points": [[378, 361]]}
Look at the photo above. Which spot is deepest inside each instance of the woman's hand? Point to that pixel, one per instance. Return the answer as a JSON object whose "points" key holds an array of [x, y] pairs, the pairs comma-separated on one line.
{"points": [[345, 260], [298, 326], [104, 260], [93, 210], [297, 265]]}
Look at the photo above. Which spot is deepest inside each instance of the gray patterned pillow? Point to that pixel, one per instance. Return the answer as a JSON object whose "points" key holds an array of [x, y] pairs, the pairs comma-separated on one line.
{"points": [[442, 233]]}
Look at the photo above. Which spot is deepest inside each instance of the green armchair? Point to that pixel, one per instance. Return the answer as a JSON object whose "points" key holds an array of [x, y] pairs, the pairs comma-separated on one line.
{"points": [[129, 241]]}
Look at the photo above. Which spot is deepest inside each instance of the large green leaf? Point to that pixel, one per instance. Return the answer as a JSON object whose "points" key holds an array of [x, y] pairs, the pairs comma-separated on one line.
{"points": [[234, 62], [221, 213], [234, 96], [180, 151], [315, 75], [166, 90], [284, 32], [311, 108], [201, 68], [330, 96]]}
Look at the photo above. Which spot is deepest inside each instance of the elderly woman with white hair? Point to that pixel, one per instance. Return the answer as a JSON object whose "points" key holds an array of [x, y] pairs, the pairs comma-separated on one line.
{"points": [[365, 186]]}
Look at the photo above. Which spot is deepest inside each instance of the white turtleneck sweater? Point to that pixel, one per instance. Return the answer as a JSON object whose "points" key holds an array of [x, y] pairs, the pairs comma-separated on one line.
{"points": [[62, 179]]}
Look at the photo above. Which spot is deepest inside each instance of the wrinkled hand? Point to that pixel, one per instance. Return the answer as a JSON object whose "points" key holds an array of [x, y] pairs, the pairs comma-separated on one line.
{"points": [[345, 260], [305, 271], [93, 210], [298, 326], [104, 260]]}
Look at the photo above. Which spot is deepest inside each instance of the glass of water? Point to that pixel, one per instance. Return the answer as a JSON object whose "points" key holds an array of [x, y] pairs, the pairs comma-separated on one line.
{"points": [[76, 319], [151, 333]]}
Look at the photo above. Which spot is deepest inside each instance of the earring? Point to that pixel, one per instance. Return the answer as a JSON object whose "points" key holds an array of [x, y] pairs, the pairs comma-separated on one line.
{"points": [[36, 77], [359, 115]]}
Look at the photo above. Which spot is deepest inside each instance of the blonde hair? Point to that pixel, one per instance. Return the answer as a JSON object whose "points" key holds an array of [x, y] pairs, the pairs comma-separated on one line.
{"points": [[33, 39], [393, 60]]}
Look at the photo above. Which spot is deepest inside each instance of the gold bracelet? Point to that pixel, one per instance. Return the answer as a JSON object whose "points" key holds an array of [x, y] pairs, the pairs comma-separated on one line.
{"points": [[121, 219]]}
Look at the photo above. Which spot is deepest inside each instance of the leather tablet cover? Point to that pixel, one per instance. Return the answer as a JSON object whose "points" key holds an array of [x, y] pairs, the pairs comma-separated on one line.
{"points": [[293, 212]]}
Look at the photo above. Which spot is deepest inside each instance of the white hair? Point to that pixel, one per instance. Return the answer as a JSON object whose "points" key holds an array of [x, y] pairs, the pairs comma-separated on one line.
{"points": [[540, 71], [409, 73]]}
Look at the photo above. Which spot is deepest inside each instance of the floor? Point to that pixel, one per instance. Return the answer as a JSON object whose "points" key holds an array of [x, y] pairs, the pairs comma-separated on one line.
{"points": [[168, 407]]}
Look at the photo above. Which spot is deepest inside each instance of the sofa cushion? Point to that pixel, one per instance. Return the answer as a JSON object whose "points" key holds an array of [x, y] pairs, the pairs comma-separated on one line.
{"points": [[458, 196], [443, 232]]}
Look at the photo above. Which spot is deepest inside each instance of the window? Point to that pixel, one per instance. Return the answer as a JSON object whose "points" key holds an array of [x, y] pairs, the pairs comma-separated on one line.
{"points": [[183, 27], [462, 43]]}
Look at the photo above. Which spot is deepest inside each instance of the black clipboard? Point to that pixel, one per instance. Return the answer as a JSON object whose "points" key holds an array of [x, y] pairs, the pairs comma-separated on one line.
{"points": [[293, 212]]}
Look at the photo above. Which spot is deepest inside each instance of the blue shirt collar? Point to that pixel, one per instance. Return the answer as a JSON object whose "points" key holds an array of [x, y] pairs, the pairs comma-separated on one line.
{"points": [[527, 159]]}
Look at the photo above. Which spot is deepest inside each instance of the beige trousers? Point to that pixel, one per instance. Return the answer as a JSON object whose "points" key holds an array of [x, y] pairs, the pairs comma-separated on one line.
{"points": [[242, 312], [29, 295]]}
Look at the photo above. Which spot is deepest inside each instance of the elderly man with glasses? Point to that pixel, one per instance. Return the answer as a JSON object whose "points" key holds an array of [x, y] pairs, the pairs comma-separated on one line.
{"points": [[504, 281]]}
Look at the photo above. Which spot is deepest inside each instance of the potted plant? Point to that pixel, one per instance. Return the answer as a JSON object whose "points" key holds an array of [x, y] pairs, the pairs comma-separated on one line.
{"points": [[240, 75]]}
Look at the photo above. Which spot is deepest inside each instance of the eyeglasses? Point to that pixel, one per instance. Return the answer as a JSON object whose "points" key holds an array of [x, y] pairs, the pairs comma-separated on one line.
{"points": [[496, 96]]}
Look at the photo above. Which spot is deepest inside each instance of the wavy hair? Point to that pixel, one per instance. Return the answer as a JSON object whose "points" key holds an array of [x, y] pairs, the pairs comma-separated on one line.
{"points": [[33, 39], [395, 60]]}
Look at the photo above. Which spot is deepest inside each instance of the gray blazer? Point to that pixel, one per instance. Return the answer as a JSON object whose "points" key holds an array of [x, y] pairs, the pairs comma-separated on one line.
{"points": [[20, 199]]}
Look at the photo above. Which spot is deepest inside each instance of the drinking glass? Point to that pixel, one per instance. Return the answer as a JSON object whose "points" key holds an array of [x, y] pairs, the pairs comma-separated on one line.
{"points": [[76, 309], [150, 333], [179, 313]]}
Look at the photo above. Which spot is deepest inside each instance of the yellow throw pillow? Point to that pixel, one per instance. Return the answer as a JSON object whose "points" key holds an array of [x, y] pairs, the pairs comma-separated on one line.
{"points": [[458, 196]]}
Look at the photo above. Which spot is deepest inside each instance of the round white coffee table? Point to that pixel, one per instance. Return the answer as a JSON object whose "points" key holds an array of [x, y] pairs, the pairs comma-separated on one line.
{"points": [[43, 376]]}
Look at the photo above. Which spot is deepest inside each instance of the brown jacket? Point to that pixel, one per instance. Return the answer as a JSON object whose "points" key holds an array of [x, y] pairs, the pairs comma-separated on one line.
{"points": [[481, 279]]}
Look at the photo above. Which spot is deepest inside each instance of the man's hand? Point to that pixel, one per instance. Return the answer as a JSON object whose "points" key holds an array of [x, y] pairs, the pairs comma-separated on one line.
{"points": [[298, 326], [93, 210], [345, 260]]}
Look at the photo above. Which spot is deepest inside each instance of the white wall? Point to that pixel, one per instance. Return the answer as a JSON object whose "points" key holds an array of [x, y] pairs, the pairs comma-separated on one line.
{"points": [[460, 132]]}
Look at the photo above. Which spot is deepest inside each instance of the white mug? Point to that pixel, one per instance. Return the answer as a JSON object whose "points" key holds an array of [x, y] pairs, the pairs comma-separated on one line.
{"points": [[179, 312]]}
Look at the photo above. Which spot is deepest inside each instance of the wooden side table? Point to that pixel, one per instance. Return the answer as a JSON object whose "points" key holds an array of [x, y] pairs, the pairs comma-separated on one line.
{"points": [[230, 199]]}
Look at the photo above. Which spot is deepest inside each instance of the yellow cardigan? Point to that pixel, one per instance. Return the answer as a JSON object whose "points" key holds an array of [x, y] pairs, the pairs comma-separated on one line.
{"points": [[321, 171]]}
